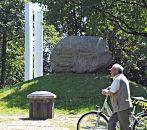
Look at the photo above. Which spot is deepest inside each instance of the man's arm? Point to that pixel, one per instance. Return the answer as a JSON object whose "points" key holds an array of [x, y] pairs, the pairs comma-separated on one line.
{"points": [[111, 90], [107, 92]]}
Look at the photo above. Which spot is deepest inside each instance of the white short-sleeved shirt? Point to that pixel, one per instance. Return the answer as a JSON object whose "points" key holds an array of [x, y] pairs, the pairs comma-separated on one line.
{"points": [[116, 83]]}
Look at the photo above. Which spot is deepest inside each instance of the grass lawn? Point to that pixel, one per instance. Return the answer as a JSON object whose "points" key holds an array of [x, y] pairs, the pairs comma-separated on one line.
{"points": [[76, 93]]}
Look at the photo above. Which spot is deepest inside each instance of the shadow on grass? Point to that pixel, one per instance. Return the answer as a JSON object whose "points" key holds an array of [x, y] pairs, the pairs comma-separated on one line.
{"points": [[29, 119], [24, 119]]}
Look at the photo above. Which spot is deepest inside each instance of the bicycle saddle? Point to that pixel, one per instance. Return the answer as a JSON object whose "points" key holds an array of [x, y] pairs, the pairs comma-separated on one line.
{"points": [[135, 100]]}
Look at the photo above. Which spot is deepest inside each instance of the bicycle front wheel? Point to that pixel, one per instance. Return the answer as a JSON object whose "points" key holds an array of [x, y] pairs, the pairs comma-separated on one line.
{"points": [[92, 121], [141, 123]]}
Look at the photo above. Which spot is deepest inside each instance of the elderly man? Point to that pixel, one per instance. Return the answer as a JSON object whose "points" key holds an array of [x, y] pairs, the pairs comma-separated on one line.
{"points": [[119, 93]]}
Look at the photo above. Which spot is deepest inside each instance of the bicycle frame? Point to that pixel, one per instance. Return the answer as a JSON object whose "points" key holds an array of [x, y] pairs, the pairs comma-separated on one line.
{"points": [[133, 117], [105, 112], [105, 107]]}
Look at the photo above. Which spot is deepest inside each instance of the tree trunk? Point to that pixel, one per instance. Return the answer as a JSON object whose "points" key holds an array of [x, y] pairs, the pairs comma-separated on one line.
{"points": [[0, 56], [3, 62]]}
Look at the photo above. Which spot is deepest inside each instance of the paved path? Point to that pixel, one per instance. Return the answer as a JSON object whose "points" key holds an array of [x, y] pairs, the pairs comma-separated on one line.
{"points": [[59, 122]]}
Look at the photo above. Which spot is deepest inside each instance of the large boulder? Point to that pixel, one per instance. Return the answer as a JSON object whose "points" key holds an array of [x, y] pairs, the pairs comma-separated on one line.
{"points": [[80, 54]]}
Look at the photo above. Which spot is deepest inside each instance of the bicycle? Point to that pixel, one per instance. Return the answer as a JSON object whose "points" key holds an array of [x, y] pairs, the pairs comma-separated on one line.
{"points": [[139, 119], [98, 119]]}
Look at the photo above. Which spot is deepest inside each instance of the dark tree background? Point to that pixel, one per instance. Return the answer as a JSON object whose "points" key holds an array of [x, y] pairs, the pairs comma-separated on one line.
{"points": [[122, 22]]}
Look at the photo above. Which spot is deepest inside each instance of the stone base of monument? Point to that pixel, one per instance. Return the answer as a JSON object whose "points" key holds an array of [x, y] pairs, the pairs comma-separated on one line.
{"points": [[41, 105]]}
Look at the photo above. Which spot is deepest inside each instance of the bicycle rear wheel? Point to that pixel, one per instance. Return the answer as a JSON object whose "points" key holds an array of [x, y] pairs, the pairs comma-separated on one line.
{"points": [[141, 123], [92, 121]]}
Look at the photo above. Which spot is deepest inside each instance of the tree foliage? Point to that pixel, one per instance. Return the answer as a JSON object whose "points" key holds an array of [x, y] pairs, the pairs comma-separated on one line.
{"points": [[122, 22], [10, 28], [127, 15], [15, 61], [51, 36]]}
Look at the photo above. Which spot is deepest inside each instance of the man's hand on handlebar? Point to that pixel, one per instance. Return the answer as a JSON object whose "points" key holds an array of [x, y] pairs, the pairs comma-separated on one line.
{"points": [[107, 91]]}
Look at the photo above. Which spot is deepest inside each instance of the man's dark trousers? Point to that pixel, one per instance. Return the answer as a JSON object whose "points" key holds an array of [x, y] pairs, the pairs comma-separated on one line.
{"points": [[122, 117]]}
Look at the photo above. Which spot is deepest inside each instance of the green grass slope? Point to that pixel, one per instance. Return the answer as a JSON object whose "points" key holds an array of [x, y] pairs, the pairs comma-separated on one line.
{"points": [[75, 92]]}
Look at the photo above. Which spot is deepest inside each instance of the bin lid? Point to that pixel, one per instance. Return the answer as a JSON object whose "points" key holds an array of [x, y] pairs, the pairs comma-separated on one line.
{"points": [[41, 94]]}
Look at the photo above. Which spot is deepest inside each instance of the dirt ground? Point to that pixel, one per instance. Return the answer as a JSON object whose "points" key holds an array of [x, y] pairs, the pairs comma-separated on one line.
{"points": [[59, 122]]}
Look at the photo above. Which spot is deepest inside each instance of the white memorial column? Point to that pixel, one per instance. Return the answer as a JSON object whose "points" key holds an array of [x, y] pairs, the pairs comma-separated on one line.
{"points": [[38, 45], [28, 41]]}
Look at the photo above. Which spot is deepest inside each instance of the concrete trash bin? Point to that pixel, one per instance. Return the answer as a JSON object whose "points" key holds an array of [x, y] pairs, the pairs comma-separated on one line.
{"points": [[41, 105]]}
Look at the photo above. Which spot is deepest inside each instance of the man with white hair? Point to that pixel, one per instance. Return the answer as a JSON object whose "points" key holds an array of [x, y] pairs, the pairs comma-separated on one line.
{"points": [[119, 93]]}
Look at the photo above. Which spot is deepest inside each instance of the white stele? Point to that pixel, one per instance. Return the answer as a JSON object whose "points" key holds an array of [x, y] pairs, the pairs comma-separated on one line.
{"points": [[33, 41]]}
